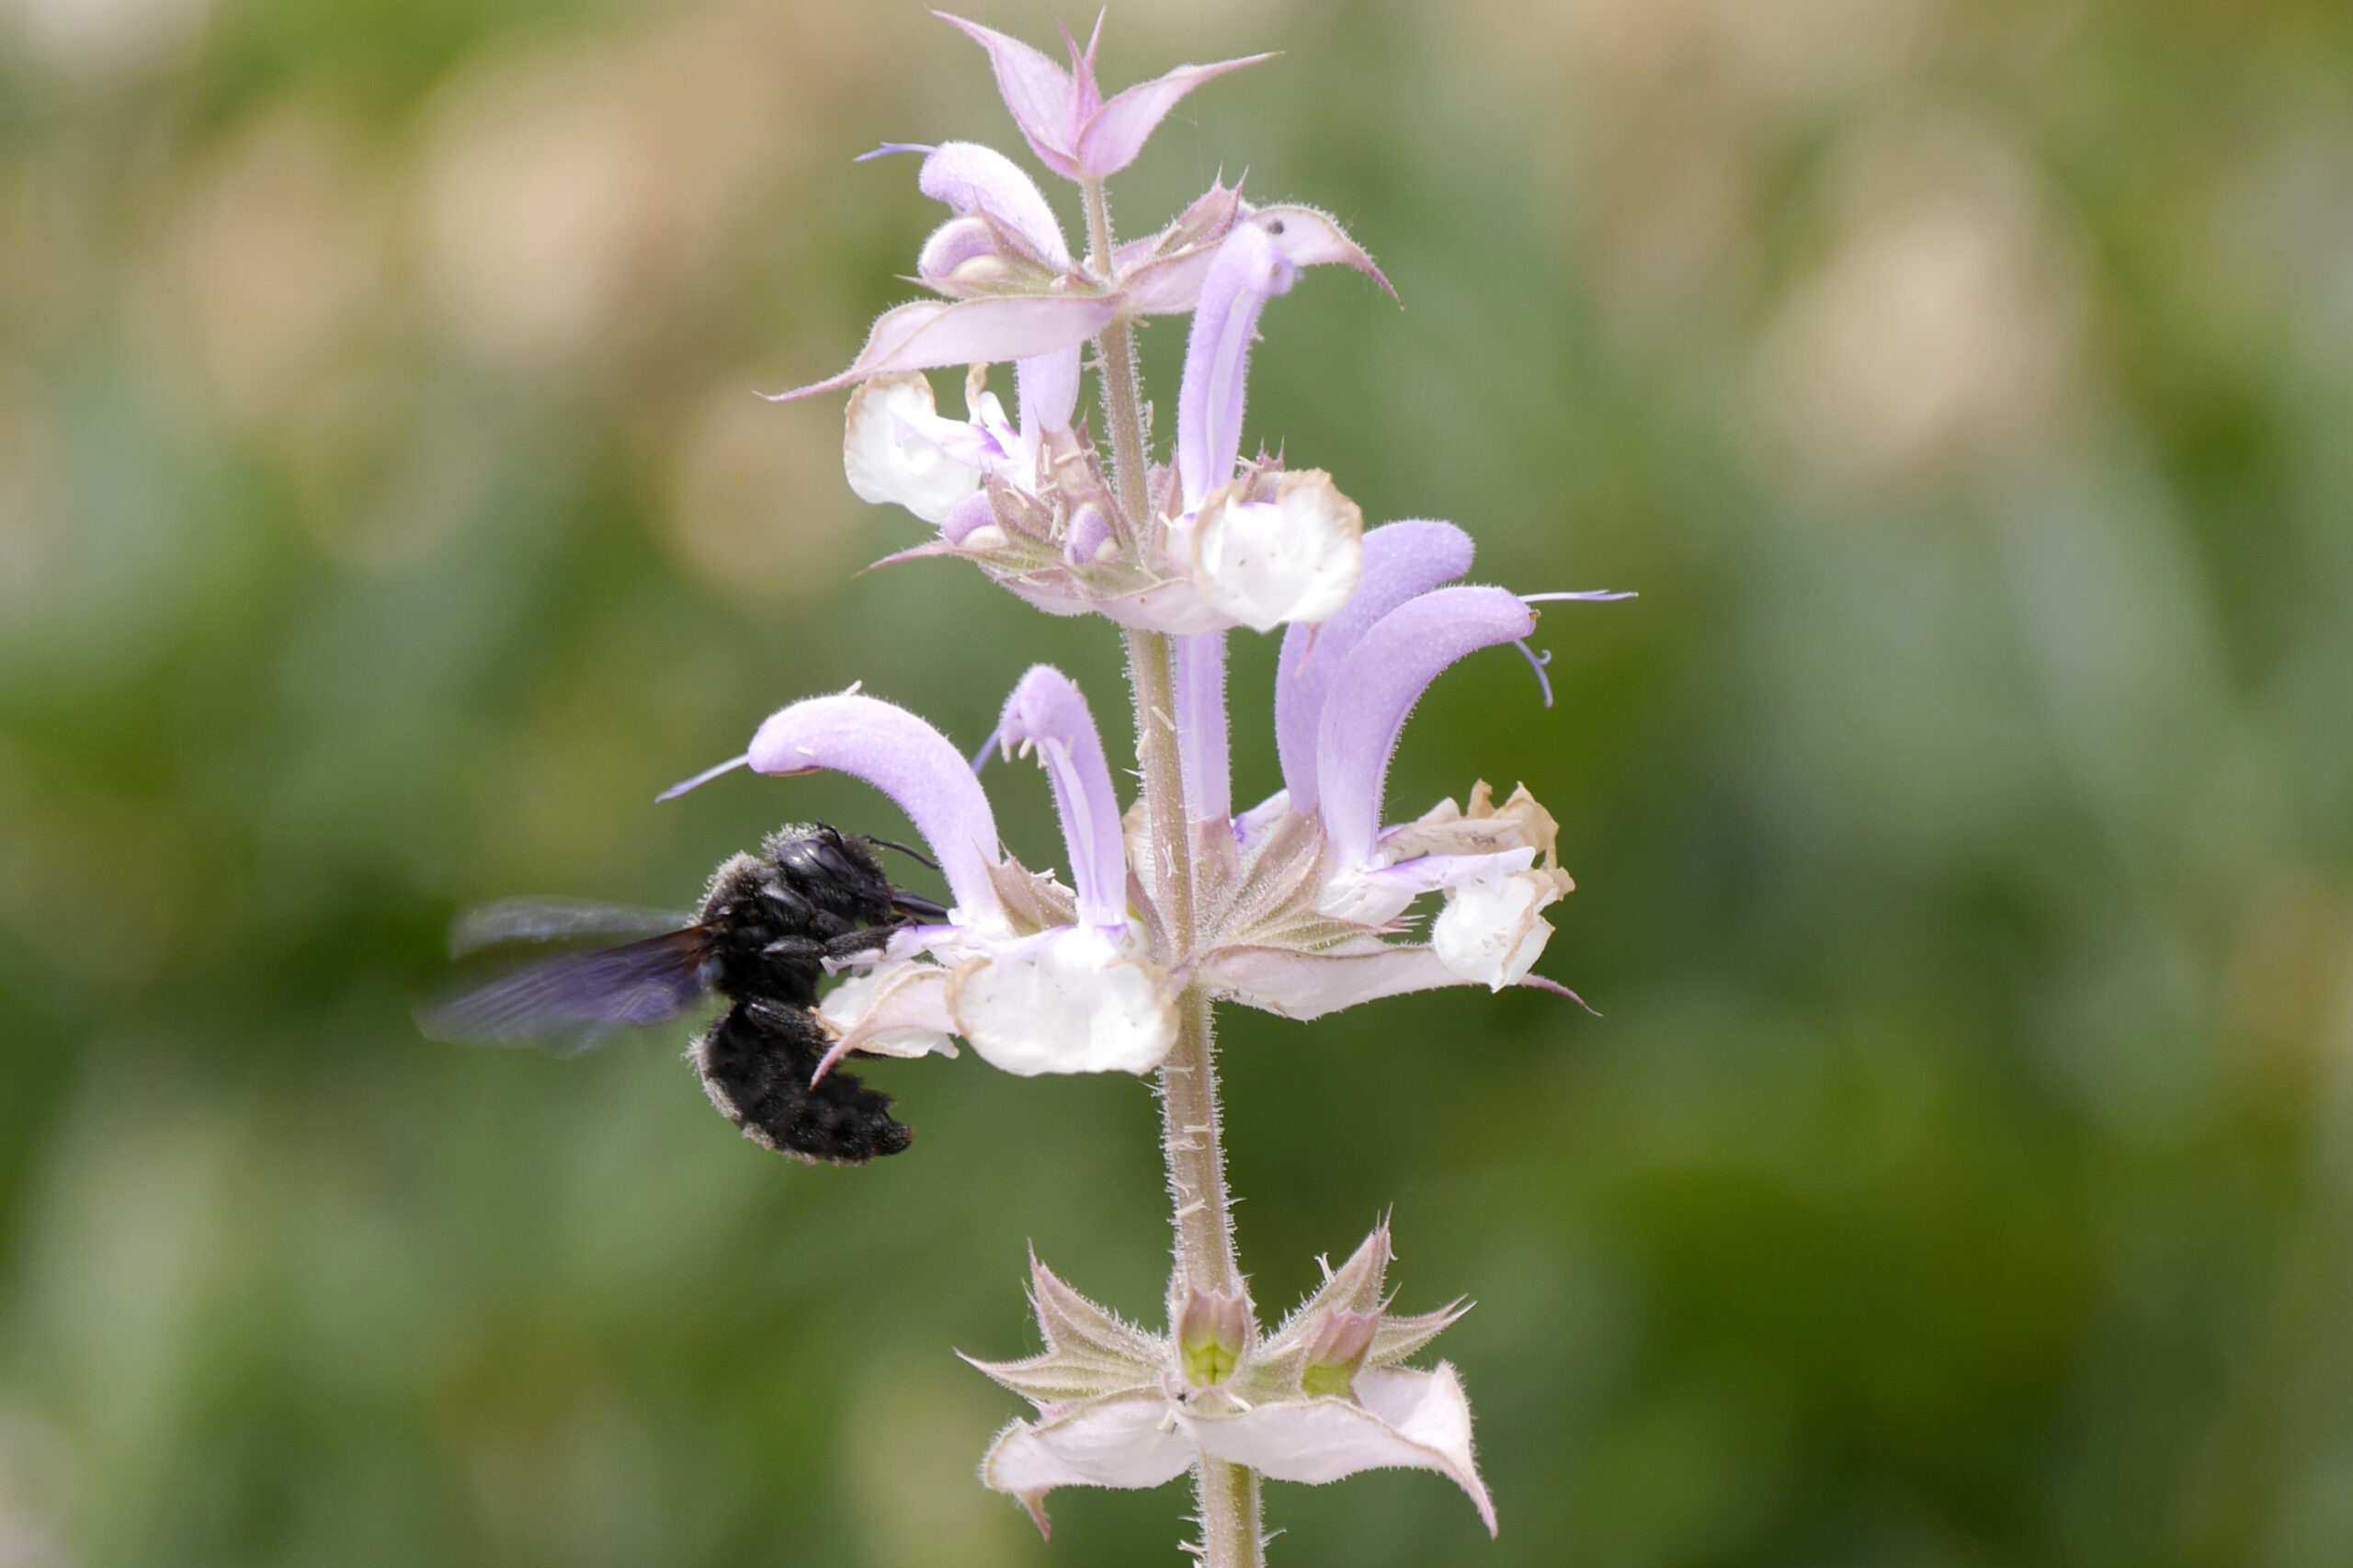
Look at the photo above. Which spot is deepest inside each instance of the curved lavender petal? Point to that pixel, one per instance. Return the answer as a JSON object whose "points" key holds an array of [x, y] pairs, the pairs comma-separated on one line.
{"points": [[1376, 687], [1199, 672], [950, 247], [1048, 711], [1311, 237], [907, 759], [927, 334], [1249, 270], [1090, 530], [1117, 133], [971, 178], [1037, 92], [1049, 390], [1402, 561], [972, 512]]}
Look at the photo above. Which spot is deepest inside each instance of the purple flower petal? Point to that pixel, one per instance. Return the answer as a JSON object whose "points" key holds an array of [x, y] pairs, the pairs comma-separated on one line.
{"points": [[1047, 710], [972, 512], [1114, 136], [1161, 275], [1376, 687], [1086, 94], [1200, 673], [908, 760], [1309, 237], [1249, 270], [961, 258], [1402, 561], [1049, 390], [926, 334], [1036, 91], [971, 178], [1090, 530]]}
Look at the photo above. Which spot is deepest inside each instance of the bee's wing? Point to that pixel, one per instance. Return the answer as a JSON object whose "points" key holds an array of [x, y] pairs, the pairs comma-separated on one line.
{"points": [[572, 1004], [556, 920]]}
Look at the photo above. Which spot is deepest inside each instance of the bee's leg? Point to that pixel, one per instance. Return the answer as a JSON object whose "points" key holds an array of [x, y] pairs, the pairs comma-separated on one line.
{"points": [[797, 947], [850, 943]]}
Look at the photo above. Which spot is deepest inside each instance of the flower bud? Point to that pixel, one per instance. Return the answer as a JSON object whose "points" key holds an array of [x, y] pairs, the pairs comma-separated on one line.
{"points": [[1212, 1331], [1336, 1347]]}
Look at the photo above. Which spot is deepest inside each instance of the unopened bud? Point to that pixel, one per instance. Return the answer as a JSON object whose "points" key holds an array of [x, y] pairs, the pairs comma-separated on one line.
{"points": [[1336, 1347], [1212, 1331]]}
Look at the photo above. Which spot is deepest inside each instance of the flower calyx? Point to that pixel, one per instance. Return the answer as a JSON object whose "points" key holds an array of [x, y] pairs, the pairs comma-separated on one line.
{"points": [[1322, 1398]]}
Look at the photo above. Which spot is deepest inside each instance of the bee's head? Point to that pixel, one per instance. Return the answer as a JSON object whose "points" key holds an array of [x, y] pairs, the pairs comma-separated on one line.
{"points": [[843, 873], [834, 870]]}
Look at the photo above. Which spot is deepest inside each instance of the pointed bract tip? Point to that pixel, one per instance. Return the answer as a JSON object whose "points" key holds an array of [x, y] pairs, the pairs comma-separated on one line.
{"points": [[699, 779], [1538, 983]]}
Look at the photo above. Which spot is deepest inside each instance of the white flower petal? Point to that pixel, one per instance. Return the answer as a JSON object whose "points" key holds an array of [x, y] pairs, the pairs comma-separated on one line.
{"points": [[896, 1009], [1123, 1441], [1064, 1002], [1399, 1420], [1491, 930], [1308, 985], [1296, 558], [895, 449]]}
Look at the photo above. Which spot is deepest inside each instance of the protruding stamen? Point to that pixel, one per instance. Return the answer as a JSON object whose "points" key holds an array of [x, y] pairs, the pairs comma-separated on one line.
{"points": [[1588, 596], [888, 148], [699, 779], [1537, 662], [988, 749]]}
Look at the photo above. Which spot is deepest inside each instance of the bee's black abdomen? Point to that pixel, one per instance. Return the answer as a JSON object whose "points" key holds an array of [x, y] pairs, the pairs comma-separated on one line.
{"points": [[756, 1063]]}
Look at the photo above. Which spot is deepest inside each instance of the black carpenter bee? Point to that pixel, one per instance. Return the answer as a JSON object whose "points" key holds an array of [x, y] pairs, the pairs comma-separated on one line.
{"points": [[767, 927]]}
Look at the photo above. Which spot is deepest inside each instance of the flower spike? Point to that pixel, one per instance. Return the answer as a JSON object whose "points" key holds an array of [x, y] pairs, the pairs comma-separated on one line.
{"points": [[1321, 1399]]}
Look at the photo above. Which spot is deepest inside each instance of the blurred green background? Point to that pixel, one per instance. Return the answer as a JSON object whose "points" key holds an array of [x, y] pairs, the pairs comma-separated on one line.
{"points": [[1964, 1172]]}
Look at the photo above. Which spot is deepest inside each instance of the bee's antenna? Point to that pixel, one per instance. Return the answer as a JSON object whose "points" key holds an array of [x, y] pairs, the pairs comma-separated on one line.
{"points": [[918, 855]]}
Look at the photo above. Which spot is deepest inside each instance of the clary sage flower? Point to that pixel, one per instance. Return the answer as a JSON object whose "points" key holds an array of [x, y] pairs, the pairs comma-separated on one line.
{"points": [[1028, 501], [1297, 903], [1312, 900], [1320, 1398]]}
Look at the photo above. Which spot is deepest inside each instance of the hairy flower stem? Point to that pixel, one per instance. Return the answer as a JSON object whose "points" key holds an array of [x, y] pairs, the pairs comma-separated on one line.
{"points": [[1190, 1136]]}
